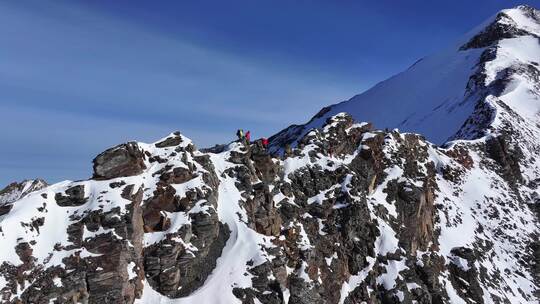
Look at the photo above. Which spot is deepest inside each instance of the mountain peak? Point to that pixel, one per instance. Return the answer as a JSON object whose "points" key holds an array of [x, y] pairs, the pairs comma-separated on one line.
{"points": [[18, 190], [528, 10], [457, 93], [522, 20]]}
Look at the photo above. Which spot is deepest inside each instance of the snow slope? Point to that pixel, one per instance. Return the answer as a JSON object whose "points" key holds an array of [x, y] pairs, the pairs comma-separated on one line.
{"points": [[435, 96], [16, 191]]}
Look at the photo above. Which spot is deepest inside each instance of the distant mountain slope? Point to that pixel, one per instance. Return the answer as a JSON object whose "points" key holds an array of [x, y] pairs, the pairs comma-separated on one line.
{"points": [[16, 191], [436, 95]]}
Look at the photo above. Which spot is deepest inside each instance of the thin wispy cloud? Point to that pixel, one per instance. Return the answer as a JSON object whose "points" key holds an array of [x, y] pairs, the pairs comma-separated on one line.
{"points": [[74, 82], [78, 77]]}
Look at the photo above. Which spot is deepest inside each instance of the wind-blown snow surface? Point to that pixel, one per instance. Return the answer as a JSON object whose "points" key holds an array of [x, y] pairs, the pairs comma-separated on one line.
{"points": [[434, 96], [428, 98]]}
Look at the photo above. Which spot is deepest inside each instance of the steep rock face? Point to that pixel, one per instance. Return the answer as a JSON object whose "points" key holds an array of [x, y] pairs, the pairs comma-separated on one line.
{"points": [[98, 257], [95, 241], [352, 215], [464, 274], [379, 225], [181, 251], [497, 73]]}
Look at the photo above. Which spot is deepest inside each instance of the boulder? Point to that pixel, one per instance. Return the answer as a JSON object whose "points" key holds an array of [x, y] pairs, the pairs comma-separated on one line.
{"points": [[123, 160], [170, 141], [74, 197]]}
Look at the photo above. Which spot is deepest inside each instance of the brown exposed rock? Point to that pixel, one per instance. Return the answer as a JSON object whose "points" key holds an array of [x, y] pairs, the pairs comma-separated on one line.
{"points": [[323, 224], [368, 164], [176, 271], [170, 267], [416, 215], [465, 278], [4, 209], [267, 170], [341, 138], [108, 278], [178, 175], [164, 199], [170, 141], [123, 160], [499, 149], [74, 197], [262, 213]]}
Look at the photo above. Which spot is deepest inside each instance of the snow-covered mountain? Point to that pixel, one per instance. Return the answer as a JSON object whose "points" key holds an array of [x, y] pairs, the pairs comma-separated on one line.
{"points": [[347, 214], [436, 95], [15, 191]]}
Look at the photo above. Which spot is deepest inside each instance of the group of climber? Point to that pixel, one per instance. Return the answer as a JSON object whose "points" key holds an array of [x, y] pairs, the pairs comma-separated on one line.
{"points": [[245, 138], [262, 144]]}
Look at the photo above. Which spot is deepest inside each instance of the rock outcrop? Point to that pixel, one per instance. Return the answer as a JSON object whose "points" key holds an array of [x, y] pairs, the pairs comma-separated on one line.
{"points": [[352, 215], [502, 27], [123, 160], [15, 191]]}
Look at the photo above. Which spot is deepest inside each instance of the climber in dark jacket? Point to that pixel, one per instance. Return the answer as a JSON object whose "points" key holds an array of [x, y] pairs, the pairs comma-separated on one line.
{"points": [[240, 134]]}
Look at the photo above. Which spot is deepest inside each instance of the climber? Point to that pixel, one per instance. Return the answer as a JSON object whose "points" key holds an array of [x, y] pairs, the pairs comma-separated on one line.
{"points": [[264, 142], [248, 137], [240, 134]]}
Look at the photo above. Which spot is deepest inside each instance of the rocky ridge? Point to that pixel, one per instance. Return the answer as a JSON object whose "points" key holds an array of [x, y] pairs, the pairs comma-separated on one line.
{"points": [[347, 214], [454, 94], [15, 191], [352, 215]]}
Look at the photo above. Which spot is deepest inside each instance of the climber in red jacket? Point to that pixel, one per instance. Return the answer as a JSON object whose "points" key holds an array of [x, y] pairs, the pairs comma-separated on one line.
{"points": [[248, 137], [265, 142]]}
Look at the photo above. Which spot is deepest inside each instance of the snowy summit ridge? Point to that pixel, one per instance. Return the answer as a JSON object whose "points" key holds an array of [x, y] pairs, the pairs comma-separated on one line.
{"points": [[16, 191], [346, 213], [436, 95]]}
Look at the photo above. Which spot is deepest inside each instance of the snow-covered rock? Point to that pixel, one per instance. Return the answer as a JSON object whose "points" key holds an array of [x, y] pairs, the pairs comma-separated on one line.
{"points": [[346, 214], [434, 97], [15, 191]]}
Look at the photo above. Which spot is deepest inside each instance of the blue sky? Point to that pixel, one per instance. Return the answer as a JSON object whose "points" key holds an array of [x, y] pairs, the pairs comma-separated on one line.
{"points": [[78, 77]]}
